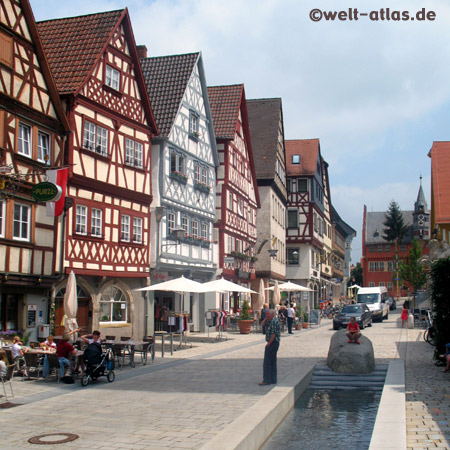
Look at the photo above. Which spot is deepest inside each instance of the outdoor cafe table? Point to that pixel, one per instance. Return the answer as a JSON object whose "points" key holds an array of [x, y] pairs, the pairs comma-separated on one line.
{"points": [[127, 345]]}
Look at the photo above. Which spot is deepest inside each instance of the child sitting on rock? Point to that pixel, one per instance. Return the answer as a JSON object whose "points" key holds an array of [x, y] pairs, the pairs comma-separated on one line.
{"points": [[353, 332]]}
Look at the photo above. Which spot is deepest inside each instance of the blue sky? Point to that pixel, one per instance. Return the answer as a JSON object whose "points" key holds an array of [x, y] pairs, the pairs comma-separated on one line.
{"points": [[376, 94]]}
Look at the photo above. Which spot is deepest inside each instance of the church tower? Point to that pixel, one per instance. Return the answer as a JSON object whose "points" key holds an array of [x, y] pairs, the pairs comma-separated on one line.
{"points": [[421, 216]]}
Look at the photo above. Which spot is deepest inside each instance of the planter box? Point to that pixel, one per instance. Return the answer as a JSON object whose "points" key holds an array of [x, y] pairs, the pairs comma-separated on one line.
{"points": [[305, 324], [298, 326], [245, 326], [179, 178], [202, 188]]}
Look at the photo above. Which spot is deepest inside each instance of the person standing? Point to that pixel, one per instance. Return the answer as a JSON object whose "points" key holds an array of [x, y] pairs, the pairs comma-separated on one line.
{"points": [[290, 318], [273, 332], [263, 316], [405, 314]]}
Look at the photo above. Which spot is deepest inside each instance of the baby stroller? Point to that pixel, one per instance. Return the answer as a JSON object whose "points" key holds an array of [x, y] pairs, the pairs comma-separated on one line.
{"points": [[97, 364]]}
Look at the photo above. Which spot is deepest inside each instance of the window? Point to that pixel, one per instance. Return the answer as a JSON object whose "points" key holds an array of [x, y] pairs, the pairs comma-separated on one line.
{"points": [[388, 247], [241, 207], [113, 305], [125, 228], [193, 123], [302, 185], [371, 284], [382, 283], [230, 244], [403, 247], [292, 256], [6, 49], [43, 148], [389, 286], [177, 162], [372, 248], [2, 218], [95, 138], [380, 248], [21, 222], [96, 222], [81, 219], [112, 78], [137, 230], [292, 218], [194, 228], [205, 231], [134, 153], [185, 224], [289, 185], [24, 147], [295, 159], [200, 174], [230, 201]]}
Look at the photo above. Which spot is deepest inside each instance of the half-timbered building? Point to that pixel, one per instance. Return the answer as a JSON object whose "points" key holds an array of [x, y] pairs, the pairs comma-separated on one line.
{"points": [[267, 136], [33, 128], [184, 184], [96, 67], [305, 214], [237, 190]]}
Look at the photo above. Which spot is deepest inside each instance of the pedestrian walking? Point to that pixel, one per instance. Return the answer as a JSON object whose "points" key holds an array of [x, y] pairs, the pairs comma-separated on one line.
{"points": [[273, 333], [405, 313], [263, 316], [290, 318]]}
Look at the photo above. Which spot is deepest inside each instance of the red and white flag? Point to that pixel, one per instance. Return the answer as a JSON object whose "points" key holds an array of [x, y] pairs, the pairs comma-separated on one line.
{"points": [[59, 178]]}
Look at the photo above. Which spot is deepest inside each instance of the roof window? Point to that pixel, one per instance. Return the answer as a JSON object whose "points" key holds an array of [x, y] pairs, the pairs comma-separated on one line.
{"points": [[295, 159]]}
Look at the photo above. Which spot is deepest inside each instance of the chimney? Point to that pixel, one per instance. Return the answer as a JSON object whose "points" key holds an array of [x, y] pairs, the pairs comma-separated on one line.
{"points": [[142, 51]]}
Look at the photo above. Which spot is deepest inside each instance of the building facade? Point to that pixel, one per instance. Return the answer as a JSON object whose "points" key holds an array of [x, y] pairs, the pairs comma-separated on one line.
{"points": [[106, 241], [33, 129]]}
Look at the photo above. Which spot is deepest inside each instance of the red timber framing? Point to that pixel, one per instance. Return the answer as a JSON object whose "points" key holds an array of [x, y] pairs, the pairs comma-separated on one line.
{"points": [[33, 129], [237, 188], [108, 227]]}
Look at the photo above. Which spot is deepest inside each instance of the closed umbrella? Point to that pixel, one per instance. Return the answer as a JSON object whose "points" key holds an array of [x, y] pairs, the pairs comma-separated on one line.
{"points": [[276, 294], [71, 305], [262, 295]]}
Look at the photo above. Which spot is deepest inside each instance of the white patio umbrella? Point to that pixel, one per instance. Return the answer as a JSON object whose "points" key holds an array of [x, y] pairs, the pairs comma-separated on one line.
{"points": [[223, 285], [180, 285], [289, 287], [355, 286], [71, 305]]}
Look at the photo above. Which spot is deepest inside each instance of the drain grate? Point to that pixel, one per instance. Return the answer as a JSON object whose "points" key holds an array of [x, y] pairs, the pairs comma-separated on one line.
{"points": [[42, 439]]}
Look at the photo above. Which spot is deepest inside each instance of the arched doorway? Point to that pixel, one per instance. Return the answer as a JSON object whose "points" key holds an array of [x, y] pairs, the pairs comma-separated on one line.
{"points": [[84, 313]]}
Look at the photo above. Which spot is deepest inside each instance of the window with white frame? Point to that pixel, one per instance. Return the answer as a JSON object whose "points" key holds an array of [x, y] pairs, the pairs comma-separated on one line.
{"points": [[194, 120], [96, 222], [205, 231], [171, 222], [134, 153], [177, 162], [390, 285], [230, 201], [194, 228], [382, 283], [114, 305], [112, 78], [295, 159], [24, 143], [240, 206], [125, 228], [230, 244], [43, 148], [2, 218], [371, 284], [200, 174], [21, 222], [185, 224], [137, 230], [95, 138], [81, 214]]}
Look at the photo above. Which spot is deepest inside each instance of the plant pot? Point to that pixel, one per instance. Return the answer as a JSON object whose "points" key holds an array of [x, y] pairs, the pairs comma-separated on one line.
{"points": [[298, 326], [245, 326], [305, 324]]}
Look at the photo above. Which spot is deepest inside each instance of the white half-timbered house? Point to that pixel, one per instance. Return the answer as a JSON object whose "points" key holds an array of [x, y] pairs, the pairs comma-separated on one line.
{"points": [[107, 231], [237, 190], [184, 184], [267, 132], [33, 128]]}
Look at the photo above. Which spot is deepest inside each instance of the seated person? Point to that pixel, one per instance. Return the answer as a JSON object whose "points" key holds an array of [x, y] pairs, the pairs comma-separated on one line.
{"points": [[17, 354], [64, 349], [94, 338], [447, 357], [353, 332], [49, 342], [3, 365]]}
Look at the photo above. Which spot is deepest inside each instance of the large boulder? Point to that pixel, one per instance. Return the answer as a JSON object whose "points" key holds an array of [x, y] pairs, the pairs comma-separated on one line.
{"points": [[350, 358]]}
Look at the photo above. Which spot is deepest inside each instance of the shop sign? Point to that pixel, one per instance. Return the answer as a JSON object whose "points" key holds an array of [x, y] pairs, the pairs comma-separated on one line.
{"points": [[46, 192]]}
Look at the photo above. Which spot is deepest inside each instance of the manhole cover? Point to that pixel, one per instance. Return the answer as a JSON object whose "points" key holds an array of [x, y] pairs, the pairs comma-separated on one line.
{"points": [[53, 438]]}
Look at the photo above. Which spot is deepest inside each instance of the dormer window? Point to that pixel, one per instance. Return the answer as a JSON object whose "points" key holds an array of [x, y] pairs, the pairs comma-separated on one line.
{"points": [[112, 78], [295, 159]]}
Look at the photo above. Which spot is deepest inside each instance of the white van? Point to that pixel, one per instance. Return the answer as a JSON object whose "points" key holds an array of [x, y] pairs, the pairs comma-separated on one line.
{"points": [[376, 298]]}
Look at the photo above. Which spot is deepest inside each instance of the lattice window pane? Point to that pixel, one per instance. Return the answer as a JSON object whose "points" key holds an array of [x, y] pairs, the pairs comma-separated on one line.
{"points": [[129, 151], [125, 228], [102, 141], [43, 147], [194, 226], [204, 176], [185, 224], [81, 219], [170, 222], [137, 230], [21, 222], [138, 154], [24, 146], [89, 136], [96, 222], [197, 177], [112, 78], [205, 234]]}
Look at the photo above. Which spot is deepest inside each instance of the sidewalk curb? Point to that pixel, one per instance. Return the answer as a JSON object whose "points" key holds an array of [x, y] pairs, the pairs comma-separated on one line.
{"points": [[252, 428]]}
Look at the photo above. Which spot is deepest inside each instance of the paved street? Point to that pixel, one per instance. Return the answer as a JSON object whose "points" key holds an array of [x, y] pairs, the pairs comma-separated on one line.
{"points": [[185, 400]]}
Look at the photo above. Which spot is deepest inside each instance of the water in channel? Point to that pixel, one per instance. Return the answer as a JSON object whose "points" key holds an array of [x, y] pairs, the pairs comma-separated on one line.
{"points": [[338, 419]]}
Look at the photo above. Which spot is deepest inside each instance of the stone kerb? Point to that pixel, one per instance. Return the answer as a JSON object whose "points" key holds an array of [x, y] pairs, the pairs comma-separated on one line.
{"points": [[350, 358]]}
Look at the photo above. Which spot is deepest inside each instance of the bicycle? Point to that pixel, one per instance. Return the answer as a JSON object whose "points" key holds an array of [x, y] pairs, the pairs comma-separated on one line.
{"points": [[429, 333]]}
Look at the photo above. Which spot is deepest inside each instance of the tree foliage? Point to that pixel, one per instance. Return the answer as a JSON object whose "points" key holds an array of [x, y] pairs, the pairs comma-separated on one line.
{"points": [[440, 295], [395, 229], [356, 275], [411, 272]]}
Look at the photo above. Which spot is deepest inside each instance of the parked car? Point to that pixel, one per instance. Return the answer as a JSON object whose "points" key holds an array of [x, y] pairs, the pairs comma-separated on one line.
{"points": [[392, 303], [376, 298], [361, 312]]}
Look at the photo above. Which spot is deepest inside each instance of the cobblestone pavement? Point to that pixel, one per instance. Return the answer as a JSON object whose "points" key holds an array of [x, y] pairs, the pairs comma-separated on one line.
{"points": [[183, 400]]}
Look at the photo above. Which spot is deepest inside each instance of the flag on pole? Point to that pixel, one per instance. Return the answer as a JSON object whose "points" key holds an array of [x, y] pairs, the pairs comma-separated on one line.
{"points": [[59, 178]]}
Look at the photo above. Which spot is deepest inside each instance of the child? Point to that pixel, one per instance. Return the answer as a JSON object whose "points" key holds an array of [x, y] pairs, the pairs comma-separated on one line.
{"points": [[353, 333]]}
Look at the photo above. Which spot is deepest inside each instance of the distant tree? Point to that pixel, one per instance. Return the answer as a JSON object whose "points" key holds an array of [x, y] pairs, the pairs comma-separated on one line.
{"points": [[395, 229], [410, 271], [356, 275]]}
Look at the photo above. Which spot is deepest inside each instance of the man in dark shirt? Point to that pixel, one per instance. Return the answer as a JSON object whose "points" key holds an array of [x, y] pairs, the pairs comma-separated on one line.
{"points": [[273, 332]]}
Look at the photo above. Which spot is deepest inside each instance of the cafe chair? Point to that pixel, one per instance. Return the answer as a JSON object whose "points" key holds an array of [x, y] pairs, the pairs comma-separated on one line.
{"points": [[53, 363], [33, 363], [8, 354], [143, 349], [7, 379], [125, 350]]}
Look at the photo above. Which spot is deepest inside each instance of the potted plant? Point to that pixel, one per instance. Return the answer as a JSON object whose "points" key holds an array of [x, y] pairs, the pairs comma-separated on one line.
{"points": [[305, 320], [245, 320], [299, 314]]}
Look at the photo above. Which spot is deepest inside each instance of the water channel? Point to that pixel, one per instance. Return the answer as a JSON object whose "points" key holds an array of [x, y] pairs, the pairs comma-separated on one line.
{"points": [[320, 419]]}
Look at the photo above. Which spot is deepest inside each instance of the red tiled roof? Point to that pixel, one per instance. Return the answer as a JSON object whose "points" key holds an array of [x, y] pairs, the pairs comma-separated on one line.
{"points": [[264, 117], [225, 103], [440, 179], [166, 79], [308, 149], [73, 45]]}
